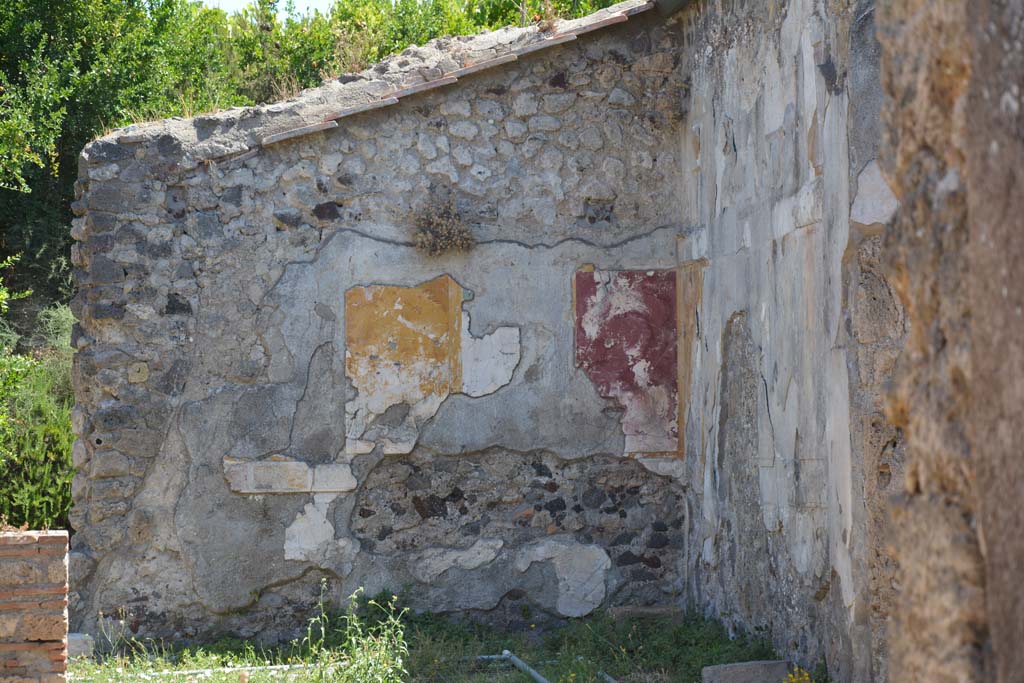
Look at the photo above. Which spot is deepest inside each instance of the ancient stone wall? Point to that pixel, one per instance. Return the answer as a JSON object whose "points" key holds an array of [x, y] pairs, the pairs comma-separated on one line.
{"points": [[953, 73], [275, 385], [654, 379], [33, 606], [798, 330]]}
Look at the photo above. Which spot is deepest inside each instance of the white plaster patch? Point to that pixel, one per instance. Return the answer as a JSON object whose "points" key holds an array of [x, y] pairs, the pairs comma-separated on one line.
{"points": [[430, 564], [333, 477], [105, 172], [807, 210], [665, 467], [489, 361], [280, 474], [310, 536], [580, 570], [875, 201]]}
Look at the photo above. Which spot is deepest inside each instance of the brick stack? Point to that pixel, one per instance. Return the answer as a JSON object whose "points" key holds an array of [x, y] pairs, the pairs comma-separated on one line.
{"points": [[33, 606]]}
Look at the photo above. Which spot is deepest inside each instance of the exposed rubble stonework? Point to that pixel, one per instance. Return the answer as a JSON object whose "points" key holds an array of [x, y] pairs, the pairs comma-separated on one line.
{"points": [[656, 378], [953, 74]]}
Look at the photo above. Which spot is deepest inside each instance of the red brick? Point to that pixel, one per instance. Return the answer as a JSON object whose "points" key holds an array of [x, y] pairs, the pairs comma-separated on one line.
{"points": [[54, 538], [54, 551], [22, 606], [19, 551], [33, 537], [48, 646], [33, 607], [58, 605], [42, 627], [19, 537], [40, 589]]}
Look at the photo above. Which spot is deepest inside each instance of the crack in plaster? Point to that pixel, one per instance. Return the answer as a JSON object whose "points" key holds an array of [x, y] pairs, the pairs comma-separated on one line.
{"points": [[412, 346]]}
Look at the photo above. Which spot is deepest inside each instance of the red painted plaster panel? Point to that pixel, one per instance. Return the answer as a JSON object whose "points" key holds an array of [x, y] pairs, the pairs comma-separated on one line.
{"points": [[627, 344]]}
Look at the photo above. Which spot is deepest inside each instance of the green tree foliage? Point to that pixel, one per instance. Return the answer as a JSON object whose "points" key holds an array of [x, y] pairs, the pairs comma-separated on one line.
{"points": [[275, 58], [31, 114], [71, 69]]}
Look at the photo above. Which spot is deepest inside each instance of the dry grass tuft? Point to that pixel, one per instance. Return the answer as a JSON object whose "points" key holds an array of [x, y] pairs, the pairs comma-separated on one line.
{"points": [[549, 21], [440, 229], [5, 526]]}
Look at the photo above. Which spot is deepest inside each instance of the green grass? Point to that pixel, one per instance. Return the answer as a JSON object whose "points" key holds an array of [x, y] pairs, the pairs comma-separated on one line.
{"points": [[650, 649], [375, 642], [363, 644]]}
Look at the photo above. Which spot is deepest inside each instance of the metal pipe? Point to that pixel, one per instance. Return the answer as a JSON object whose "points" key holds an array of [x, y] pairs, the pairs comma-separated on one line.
{"points": [[491, 658], [524, 667]]}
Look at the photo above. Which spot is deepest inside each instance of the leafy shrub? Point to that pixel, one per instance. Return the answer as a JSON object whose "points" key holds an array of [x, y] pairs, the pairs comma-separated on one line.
{"points": [[35, 427]]}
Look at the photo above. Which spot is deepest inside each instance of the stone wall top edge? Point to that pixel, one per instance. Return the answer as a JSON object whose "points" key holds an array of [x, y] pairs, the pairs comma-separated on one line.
{"points": [[236, 130], [27, 537]]}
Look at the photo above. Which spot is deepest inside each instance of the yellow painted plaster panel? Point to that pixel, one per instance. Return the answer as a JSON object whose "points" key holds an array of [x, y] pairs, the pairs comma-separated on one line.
{"points": [[402, 348], [413, 332]]}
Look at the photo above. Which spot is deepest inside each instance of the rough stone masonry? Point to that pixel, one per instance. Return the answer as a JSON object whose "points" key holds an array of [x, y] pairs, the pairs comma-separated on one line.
{"points": [[956, 145], [655, 379]]}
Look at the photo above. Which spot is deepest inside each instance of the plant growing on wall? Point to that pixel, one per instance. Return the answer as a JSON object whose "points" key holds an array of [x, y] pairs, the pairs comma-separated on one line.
{"points": [[440, 229]]}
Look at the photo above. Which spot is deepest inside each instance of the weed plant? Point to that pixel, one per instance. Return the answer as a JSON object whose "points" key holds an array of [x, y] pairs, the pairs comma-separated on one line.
{"points": [[35, 424], [364, 644]]}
